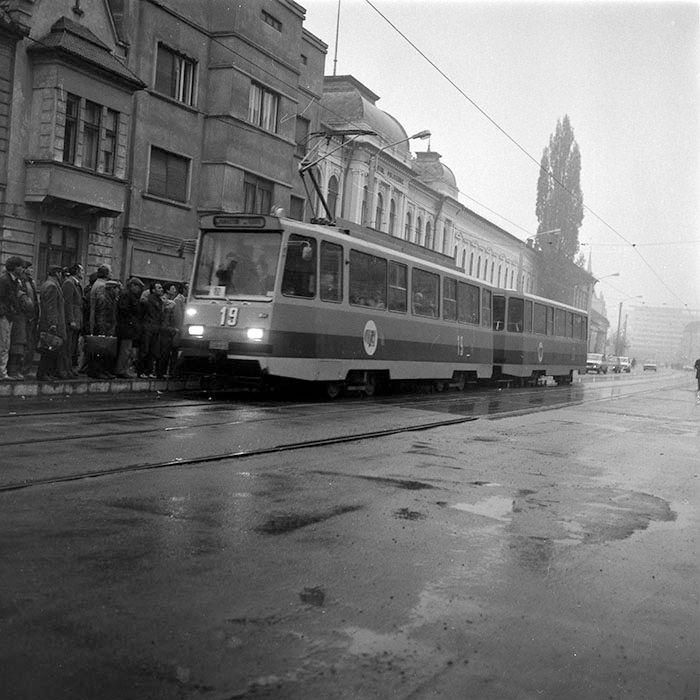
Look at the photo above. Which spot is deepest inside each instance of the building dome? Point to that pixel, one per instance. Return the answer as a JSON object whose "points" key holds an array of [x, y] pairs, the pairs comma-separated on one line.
{"points": [[348, 104], [430, 170]]}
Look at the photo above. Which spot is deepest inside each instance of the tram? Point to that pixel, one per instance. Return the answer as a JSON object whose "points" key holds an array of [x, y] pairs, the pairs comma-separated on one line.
{"points": [[274, 300]]}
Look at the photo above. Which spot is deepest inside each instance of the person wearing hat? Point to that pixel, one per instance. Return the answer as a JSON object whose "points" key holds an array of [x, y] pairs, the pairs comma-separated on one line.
{"points": [[52, 319], [129, 322], [32, 318], [100, 364], [9, 309], [73, 299]]}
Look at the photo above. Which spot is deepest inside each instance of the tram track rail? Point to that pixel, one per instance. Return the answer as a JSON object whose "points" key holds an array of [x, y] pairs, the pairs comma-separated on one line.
{"points": [[301, 445]]}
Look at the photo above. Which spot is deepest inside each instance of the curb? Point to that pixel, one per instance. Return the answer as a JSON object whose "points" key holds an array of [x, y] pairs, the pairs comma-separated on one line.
{"points": [[33, 388]]}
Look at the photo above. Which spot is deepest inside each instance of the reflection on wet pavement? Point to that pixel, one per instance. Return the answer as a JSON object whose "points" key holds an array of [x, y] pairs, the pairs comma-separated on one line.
{"points": [[495, 507]]}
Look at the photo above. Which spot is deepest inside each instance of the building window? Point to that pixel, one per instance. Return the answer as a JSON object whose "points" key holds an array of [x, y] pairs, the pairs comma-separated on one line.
{"points": [[175, 75], [304, 60], [407, 230], [392, 217], [493, 267], [91, 134], [70, 133], [263, 107], [272, 21], [258, 195], [109, 143], [301, 136], [58, 245], [333, 195], [428, 235], [419, 230], [99, 136], [168, 175], [296, 208], [363, 212], [379, 214]]}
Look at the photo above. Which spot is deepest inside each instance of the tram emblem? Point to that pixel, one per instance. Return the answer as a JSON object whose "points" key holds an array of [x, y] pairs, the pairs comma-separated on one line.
{"points": [[370, 337]]}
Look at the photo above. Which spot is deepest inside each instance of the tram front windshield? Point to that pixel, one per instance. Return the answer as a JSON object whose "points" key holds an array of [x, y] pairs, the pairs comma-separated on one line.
{"points": [[236, 264]]}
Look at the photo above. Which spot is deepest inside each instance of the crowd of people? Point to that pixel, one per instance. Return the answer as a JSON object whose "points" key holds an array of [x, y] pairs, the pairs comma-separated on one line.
{"points": [[101, 328]]}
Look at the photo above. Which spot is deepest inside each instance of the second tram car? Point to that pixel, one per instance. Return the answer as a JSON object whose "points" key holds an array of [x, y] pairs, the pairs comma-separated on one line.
{"points": [[273, 300]]}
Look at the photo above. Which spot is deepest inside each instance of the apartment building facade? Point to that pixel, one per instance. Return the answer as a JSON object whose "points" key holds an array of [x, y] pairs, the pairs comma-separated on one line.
{"points": [[125, 120]]}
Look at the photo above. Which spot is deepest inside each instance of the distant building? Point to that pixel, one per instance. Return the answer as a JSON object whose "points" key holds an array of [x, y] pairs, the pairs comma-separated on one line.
{"points": [[661, 333]]}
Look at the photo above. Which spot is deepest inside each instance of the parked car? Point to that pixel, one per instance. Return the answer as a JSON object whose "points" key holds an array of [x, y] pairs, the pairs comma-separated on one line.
{"points": [[620, 364], [649, 366], [595, 362]]}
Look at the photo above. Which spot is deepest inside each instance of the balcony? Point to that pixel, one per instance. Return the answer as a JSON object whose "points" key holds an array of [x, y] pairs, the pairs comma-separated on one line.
{"points": [[83, 191]]}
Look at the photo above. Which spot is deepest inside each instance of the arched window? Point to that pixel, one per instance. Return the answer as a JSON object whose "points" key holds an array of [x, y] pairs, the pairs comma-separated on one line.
{"points": [[478, 267], [454, 254], [511, 279], [419, 230], [333, 194], [493, 267], [407, 232], [445, 239], [471, 263], [464, 259], [498, 281], [363, 213], [428, 235], [379, 214], [392, 217]]}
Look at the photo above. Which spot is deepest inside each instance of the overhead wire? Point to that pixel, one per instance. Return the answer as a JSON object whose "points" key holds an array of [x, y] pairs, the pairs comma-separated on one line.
{"points": [[520, 147]]}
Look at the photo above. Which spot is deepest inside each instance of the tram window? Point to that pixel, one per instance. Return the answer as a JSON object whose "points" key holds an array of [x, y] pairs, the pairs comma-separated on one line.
{"points": [[540, 319], [499, 312], [486, 295], [528, 317], [577, 326], [236, 263], [560, 322], [398, 287], [515, 315], [299, 278], [449, 299], [331, 272], [367, 280], [467, 303], [550, 320], [425, 290]]}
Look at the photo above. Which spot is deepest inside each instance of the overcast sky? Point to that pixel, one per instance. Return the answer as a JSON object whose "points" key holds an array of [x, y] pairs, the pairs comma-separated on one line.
{"points": [[626, 73]]}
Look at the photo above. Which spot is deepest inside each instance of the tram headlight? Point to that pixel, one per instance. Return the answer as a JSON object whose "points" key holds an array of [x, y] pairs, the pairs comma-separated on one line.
{"points": [[190, 311], [195, 330], [255, 334]]}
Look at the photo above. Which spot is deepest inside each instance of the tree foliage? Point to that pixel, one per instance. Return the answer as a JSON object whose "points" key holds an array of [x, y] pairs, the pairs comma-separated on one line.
{"points": [[559, 208]]}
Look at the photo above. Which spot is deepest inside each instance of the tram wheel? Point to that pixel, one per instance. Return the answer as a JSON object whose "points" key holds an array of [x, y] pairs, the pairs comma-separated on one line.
{"points": [[333, 389], [460, 382], [370, 388]]}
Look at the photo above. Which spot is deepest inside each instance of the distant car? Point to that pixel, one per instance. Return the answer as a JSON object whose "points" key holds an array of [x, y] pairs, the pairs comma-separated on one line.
{"points": [[619, 364], [596, 363], [649, 366]]}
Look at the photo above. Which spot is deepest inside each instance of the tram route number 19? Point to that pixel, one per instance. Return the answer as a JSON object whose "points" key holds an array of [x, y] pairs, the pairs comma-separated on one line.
{"points": [[228, 315]]}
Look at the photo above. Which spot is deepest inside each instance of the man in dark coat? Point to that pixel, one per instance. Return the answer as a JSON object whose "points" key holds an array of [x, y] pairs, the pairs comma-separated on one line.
{"points": [[32, 319], [9, 308], [153, 314], [104, 319], [129, 310], [73, 300], [53, 320]]}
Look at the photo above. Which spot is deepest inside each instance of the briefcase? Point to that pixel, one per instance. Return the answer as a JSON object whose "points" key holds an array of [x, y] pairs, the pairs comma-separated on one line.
{"points": [[48, 343], [104, 345]]}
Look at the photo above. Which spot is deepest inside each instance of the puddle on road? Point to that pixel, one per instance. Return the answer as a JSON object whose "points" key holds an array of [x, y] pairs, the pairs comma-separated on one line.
{"points": [[282, 523], [495, 507]]}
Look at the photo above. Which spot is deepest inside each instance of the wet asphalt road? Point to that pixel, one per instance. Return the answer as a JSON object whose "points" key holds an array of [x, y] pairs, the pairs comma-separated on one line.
{"points": [[547, 554]]}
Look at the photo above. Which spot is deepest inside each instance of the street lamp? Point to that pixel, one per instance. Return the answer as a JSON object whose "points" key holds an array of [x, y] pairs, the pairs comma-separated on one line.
{"points": [[604, 277], [425, 134], [619, 322]]}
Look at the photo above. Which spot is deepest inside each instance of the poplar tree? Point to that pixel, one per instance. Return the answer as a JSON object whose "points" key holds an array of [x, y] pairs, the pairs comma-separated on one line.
{"points": [[559, 209]]}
